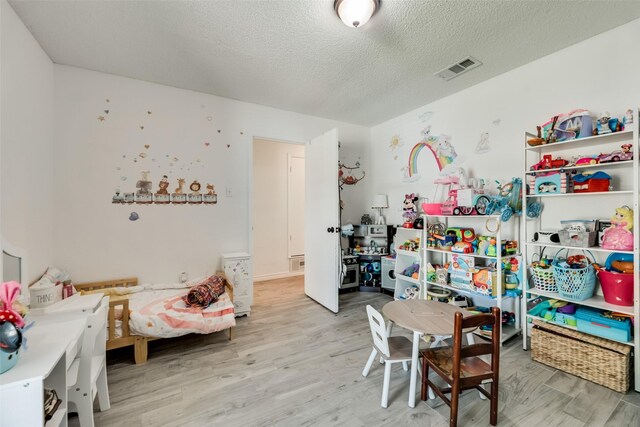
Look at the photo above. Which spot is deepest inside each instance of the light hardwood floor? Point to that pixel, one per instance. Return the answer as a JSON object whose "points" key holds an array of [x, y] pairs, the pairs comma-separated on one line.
{"points": [[293, 363]]}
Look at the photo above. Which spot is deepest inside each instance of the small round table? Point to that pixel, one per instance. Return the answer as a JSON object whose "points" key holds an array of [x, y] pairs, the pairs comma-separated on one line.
{"points": [[422, 317]]}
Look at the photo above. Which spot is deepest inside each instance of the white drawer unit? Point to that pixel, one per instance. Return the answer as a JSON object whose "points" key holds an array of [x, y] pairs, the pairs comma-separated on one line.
{"points": [[237, 267]]}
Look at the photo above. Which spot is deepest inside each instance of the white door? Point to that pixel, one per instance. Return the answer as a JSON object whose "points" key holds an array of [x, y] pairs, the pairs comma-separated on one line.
{"points": [[322, 236]]}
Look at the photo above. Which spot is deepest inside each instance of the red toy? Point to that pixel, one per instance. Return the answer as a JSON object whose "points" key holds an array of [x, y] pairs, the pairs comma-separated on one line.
{"points": [[548, 163]]}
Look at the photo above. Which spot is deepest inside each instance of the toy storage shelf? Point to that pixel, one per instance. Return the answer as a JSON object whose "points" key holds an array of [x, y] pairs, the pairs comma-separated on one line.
{"points": [[465, 291], [408, 279], [598, 193], [596, 301], [473, 254], [574, 328], [581, 142], [414, 254], [581, 167], [582, 206], [431, 254], [577, 248], [406, 258]]}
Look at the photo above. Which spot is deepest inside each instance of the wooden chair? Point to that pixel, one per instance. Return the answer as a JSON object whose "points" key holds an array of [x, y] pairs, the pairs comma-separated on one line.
{"points": [[391, 349], [461, 368], [87, 375]]}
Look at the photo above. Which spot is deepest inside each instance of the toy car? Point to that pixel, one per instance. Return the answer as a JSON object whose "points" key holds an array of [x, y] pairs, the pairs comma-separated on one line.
{"points": [[547, 187], [587, 161], [616, 156], [548, 163]]}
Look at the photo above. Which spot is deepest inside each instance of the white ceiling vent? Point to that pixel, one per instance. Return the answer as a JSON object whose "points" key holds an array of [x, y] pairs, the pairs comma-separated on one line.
{"points": [[458, 68]]}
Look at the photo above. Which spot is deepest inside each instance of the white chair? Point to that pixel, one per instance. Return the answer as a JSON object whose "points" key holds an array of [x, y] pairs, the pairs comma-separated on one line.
{"points": [[391, 349], [87, 375]]}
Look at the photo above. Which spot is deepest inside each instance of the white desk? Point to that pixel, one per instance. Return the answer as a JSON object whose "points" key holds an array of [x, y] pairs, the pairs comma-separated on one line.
{"points": [[43, 364], [76, 304]]}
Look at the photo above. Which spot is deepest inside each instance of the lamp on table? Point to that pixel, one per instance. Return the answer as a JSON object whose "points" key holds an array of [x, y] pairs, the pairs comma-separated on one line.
{"points": [[380, 202]]}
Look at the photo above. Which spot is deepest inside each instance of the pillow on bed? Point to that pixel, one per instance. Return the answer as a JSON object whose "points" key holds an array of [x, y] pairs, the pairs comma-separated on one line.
{"points": [[206, 292]]}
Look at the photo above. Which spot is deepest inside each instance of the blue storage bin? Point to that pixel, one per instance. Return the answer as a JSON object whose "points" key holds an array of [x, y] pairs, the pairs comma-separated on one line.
{"points": [[566, 319], [591, 321]]}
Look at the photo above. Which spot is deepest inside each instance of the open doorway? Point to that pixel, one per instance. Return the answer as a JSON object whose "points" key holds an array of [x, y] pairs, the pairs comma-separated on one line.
{"points": [[278, 209]]}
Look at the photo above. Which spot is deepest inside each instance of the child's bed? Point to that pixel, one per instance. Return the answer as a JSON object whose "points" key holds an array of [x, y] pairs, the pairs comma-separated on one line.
{"points": [[141, 313]]}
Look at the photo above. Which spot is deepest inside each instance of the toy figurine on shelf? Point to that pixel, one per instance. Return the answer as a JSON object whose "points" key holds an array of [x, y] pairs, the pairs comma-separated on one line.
{"points": [[410, 212], [607, 124], [619, 235]]}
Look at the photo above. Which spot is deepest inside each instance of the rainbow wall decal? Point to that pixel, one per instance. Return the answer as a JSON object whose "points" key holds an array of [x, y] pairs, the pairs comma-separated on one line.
{"points": [[441, 149]]}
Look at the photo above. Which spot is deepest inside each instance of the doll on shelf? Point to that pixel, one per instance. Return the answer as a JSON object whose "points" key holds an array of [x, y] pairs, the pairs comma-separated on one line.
{"points": [[619, 235]]}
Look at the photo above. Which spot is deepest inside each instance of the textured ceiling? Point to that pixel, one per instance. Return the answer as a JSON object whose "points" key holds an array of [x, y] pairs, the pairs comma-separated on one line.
{"points": [[297, 55]]}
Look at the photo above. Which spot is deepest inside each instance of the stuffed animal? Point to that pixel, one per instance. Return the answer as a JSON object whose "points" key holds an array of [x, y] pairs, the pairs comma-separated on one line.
{"points": [[410, 212]]}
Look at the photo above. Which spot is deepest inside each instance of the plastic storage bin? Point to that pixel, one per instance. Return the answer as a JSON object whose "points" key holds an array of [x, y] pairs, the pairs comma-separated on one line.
{"points": [[616, 287], [593, 322], [581, 239]]}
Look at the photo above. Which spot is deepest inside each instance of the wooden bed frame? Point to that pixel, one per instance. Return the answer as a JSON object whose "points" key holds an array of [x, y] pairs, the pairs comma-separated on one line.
{"points": [[140, 348]]}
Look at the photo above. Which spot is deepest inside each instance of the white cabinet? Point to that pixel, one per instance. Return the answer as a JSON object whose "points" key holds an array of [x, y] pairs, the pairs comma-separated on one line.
{"points": [[585, 205], [237, 267], [507, 300], [407, 247]]}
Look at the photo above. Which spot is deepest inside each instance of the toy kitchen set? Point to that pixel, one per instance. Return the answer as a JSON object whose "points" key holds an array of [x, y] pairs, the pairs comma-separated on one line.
{"points": [[364, 247]]}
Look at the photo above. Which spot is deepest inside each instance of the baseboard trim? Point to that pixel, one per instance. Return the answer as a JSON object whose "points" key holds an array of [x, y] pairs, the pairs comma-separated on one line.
{"points": [[266, 277]]}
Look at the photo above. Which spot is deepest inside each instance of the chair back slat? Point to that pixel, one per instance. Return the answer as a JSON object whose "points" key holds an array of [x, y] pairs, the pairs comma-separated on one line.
{"points": [[477, 321], [94, 342], [476, 350], [378, 330]]}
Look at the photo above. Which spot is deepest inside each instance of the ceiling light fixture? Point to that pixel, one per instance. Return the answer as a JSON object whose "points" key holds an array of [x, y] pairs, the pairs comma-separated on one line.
{"points": [[356, 13]]}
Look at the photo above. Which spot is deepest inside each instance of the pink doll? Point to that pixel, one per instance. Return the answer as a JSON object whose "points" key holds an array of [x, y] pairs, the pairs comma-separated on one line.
{"points": [[619, 235]]}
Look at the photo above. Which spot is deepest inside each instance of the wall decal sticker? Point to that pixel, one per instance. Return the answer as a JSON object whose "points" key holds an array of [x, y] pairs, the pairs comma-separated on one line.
{"points": [[395, 157], [209, 118], [124, 156], [206, 144], [210, 196], [228, 146], [396, 142], [241, 133], [106, 111], [134, 216], [496, 122], [107, 100], [439, 146], [484, 145], [425, 116], [146, 146], [101, 118], [149, 112], [123, 178], [142, 155], [141, 127], [219, 131], [345, 174], [118, 168]]}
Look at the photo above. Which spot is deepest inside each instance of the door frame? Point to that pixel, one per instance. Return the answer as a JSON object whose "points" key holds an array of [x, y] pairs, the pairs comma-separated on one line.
{"points": [[251, 204]]}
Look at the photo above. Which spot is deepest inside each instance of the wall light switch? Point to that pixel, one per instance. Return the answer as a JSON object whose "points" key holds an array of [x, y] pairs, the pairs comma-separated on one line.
{"points": [[228, 191]]}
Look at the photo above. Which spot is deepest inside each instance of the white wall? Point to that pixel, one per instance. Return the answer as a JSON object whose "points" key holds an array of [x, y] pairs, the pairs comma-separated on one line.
{"points": [[270, 213], [599, 74], [95, 239], [26, 150]]}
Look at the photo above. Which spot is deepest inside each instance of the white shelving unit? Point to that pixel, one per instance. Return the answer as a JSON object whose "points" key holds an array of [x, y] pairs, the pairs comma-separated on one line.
{"points": [[405, 259], [625, 175], [429, 256]]}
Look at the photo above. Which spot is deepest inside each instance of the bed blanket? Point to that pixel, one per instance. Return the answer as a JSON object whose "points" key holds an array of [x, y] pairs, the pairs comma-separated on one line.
{"points": [[164, 314]]}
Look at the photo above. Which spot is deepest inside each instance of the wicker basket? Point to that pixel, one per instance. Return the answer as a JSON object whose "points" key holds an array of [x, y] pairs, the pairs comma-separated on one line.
{"points": [[595, 359]]}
